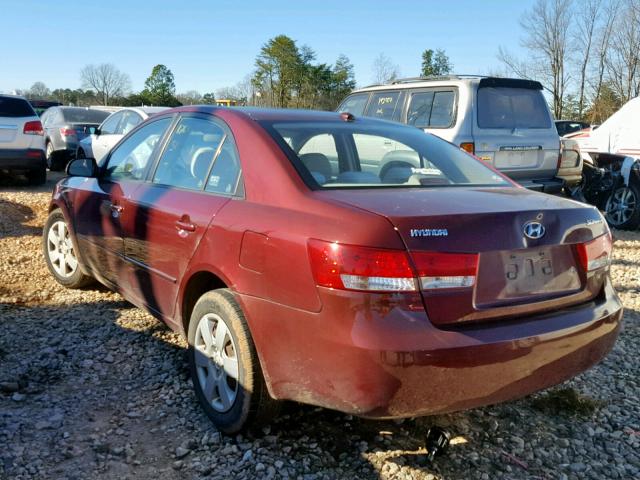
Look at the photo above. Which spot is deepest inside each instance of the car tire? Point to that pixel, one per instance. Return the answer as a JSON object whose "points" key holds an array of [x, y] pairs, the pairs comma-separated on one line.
{"points": [[220, 346], [52, 158], [59, 253], [37, 177], [622, 208]]}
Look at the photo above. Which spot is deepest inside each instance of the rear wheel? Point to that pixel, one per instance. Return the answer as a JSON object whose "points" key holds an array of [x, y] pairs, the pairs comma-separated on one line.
{"points": [[224, 366], [622, 209], [60, 255], [54, 161]]}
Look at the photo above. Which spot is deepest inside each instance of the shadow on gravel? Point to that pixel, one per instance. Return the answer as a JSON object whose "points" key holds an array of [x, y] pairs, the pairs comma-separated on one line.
{"points": [[13, 217]]}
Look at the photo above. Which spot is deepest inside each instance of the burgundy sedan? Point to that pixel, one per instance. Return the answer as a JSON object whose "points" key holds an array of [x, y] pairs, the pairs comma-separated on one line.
{"points": [[344, 262]]}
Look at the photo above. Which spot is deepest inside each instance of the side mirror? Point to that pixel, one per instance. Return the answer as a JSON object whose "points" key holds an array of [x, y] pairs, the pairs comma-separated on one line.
{"points": [[96, 131], [83, 167]]}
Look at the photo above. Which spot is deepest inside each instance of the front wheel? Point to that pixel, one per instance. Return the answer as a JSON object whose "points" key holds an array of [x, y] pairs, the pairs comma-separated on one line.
{"points": [[622, 209], [59, 253], [224, 365]]}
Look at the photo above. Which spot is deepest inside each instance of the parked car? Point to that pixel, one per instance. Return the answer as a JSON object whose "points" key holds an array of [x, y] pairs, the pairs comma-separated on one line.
{"points": [[112, 129], [505, 122], [304, 273], [40, 106], [611, 175], [64, 127], [565, 127], [21, 139]]}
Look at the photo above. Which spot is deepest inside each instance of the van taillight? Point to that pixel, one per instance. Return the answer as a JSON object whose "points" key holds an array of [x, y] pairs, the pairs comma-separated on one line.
{"points": [[33, 128], [351, 267], [596, 253], [445, 270], [468, 147]]}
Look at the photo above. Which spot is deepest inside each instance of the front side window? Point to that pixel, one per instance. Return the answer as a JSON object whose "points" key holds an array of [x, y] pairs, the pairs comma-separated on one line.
{"points": [[130, 158], [373, 156], [354, 103], [187, 159], [383, 105], [509, 108]]}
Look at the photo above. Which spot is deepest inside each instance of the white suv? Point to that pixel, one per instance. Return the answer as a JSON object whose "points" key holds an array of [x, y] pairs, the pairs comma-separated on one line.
{"points": [[505, 122], [21, 139]]}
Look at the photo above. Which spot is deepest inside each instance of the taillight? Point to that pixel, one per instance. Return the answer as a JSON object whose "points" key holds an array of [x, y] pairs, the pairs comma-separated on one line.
{"points": [[33, 128], [596, 253], [67, 132], [468, 147], [351, 267], [446, 270]]}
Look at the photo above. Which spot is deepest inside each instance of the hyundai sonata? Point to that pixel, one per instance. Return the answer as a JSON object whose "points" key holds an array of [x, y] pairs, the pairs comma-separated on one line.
{"points": [[344, 262]]}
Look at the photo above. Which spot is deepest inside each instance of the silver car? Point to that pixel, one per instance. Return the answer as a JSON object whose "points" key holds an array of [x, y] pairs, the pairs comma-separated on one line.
{"points": [[505, 122], [116, 126], [64, 127]]}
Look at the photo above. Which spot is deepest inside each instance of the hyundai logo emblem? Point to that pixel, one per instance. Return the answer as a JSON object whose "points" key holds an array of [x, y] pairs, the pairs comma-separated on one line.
{"points": [[534, 230]]}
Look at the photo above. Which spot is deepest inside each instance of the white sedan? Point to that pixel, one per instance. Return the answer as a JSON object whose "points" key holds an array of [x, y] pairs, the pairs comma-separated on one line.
{"points": [[114, 127]]}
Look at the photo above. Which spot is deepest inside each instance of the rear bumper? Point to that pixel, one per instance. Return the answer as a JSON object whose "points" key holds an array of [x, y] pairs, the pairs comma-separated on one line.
{"points": [[374, 358], [24, 159], [552, 185]]}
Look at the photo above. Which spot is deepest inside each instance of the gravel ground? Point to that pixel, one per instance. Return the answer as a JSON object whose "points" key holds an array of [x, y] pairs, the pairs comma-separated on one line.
{"points": [[92, 387]]}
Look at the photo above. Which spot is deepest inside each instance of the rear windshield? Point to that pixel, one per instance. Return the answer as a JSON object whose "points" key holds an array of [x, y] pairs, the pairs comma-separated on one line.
{"points": [[15, 107], [84, 115], [504, 107], [360, 154]]}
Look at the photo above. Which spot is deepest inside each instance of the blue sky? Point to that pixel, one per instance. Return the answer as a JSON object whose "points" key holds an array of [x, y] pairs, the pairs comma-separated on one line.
{"points": [[212, 44]]}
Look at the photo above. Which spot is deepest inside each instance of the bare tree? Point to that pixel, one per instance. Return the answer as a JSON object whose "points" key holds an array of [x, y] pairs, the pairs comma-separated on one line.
{"points": [[623, 59], [587, 21], [610, 12], [106, 80], [384, 70], [39, 91], [546, 29]]}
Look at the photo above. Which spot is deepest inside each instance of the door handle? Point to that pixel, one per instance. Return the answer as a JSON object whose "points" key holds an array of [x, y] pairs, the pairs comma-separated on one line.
{"points": [[117, 208], [185, 225]]}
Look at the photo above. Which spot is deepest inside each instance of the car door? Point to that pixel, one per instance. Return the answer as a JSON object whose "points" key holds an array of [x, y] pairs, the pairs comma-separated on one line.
{"points": [[195, 176], [107, 137], [100, 205]]}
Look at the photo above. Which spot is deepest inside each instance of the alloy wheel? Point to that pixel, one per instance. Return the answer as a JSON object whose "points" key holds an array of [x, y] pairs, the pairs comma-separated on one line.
{"points": [[620, 206], [60, 250], [216, 362]]}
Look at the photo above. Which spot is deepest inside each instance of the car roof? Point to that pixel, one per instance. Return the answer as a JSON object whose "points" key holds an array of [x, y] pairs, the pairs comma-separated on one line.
{"points": [[145, 110], [448, 80], [278, 114]]}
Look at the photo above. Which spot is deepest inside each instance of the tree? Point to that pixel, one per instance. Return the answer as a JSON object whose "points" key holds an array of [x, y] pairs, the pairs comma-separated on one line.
{"points": [[384, 70], [192, 97], [278, 70], [343, 80], [587, 18], [435, 63], [209, 99], [39, 90], [623, 59], [604, 105], [160, 87], [106, 80], [546, 28], [604, 41]]}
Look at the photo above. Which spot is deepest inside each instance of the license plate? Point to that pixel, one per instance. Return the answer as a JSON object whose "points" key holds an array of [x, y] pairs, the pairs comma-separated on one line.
{"points": [[512, 275]]}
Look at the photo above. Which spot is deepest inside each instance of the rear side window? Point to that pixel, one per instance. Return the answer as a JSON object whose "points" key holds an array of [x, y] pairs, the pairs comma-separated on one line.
{"points": [[15, 107], [354, 103], [432, 109], [384, 105], [504, 107]]}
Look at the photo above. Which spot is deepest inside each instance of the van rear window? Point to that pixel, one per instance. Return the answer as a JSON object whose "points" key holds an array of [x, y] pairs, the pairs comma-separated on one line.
{"points": [[504, 107], [15, 107]]}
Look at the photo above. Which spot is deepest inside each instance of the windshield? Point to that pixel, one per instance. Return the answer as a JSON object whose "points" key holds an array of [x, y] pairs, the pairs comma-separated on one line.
{"points": [[504, 107], [356, 154], [84, 115]]}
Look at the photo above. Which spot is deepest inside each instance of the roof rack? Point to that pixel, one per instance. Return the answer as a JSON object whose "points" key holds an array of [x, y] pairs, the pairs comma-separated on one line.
{"points": [[434, 77]]}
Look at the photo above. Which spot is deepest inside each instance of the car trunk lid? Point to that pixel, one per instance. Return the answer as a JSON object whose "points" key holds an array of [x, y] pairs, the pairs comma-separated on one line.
{"points": [[515, 273]]}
